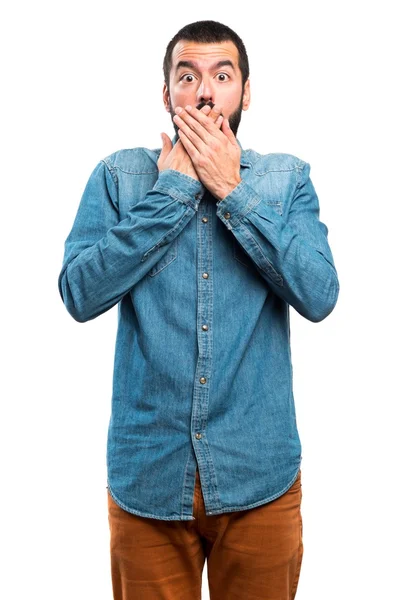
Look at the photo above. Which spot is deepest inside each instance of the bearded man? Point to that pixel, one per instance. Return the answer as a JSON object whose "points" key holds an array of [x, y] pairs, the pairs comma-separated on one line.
{"points": [[204, 246]]}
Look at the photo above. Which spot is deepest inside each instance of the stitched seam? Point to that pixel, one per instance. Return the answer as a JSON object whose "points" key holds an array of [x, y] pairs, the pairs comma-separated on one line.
{"points": [[135, 172], [251, 204], [139, 512], [300, 170], [111, 171], [259, 173], [172, 194]]}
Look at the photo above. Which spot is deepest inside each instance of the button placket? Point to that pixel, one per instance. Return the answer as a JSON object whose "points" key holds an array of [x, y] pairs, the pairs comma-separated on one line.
{"points": [[204, 361]]}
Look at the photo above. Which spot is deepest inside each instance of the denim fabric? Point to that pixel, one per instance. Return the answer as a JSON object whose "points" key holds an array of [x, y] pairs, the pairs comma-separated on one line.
{"points": [[202, 373]]}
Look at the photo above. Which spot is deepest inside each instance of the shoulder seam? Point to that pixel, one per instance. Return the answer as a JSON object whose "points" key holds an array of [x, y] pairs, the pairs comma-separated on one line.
{"points": [[299, 171], [111, 170]]}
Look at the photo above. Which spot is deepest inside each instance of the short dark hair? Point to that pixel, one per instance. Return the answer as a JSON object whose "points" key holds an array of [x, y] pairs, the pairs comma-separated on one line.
{"points": [[207, 32]]}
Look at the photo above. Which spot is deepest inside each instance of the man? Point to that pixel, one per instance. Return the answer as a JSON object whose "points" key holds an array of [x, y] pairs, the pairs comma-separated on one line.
{"points": [[204, 246]]}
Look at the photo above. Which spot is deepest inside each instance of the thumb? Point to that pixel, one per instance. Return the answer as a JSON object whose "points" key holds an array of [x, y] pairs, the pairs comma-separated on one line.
{"points": [[228, 131], [166, 143], [165, 150]]}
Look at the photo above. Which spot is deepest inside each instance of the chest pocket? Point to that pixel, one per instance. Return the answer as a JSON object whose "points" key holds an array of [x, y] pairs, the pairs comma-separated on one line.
{"points": [[170, 255], [238, 252]]}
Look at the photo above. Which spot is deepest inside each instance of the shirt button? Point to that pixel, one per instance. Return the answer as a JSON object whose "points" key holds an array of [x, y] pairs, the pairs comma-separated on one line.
{"points": [[205, 275], [203, 380], [198, 436], [227, 215], [205, 219], [204, 327], [198, 196]]}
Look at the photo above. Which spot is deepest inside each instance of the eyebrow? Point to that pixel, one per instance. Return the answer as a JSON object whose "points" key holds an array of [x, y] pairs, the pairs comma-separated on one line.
{"points": [[191, 65]]}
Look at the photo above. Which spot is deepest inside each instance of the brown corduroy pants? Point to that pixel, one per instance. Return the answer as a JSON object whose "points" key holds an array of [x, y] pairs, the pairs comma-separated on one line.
{"points": [[253, 554]]}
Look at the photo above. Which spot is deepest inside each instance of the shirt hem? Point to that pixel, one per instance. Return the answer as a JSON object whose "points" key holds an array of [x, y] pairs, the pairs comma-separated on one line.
{"points": [[213, 512], [144, 514], [255, 504]]}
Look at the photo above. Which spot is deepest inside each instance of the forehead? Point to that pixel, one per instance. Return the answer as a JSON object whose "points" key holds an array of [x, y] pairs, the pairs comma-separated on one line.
{"points": [[205, 54]]}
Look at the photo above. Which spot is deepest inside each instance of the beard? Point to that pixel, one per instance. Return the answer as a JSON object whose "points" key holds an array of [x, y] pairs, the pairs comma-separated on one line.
{"points": [[234, 119]]}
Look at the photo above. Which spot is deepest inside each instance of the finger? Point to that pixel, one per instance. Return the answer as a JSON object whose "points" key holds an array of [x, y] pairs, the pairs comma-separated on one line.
{"points": [[191, 115], [197, 135], [187, 123], [219, 121], [166, 143], [206, 109], [226, 129], [190, 148], [212, 113]]}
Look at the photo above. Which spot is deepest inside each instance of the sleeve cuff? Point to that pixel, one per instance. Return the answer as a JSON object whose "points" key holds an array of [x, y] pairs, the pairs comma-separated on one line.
{"points": [[236, 204], [180, 186]]}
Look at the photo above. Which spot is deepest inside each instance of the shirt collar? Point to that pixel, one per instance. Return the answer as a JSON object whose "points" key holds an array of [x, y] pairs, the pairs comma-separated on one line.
{"points": [[244, 162]]}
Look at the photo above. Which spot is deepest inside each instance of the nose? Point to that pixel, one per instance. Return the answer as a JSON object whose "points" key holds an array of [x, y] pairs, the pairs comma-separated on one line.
{"points": [[205, 93]]}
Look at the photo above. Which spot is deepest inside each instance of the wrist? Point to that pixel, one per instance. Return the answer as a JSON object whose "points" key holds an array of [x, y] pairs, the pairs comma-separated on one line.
{"points": [[227, 189]]}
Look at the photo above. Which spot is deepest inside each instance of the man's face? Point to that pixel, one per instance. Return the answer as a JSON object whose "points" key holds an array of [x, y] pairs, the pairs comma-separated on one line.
{"points": [[197, 79]]}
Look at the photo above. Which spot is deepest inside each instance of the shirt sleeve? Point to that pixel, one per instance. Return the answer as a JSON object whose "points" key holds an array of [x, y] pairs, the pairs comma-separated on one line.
{"points": [[291, 253], [105, 257]]}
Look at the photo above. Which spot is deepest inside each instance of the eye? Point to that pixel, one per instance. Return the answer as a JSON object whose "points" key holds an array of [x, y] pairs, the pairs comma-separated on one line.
{"points": [[224, 74], [187, 75]]}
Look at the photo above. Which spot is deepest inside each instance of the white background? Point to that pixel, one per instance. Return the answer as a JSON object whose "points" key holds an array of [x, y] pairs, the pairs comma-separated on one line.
{"points": [[81, 80]]}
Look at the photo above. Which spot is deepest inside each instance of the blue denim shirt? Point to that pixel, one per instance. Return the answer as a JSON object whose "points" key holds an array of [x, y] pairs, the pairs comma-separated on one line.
{"points": [[202, 373]]}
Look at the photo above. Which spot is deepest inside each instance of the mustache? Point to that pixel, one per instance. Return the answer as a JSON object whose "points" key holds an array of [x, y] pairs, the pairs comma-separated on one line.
{"points": [[210, 104]]}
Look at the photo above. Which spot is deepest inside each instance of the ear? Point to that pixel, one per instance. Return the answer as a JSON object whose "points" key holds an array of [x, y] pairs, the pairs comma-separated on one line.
{"points": [[246, 95], [166, 97]]}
